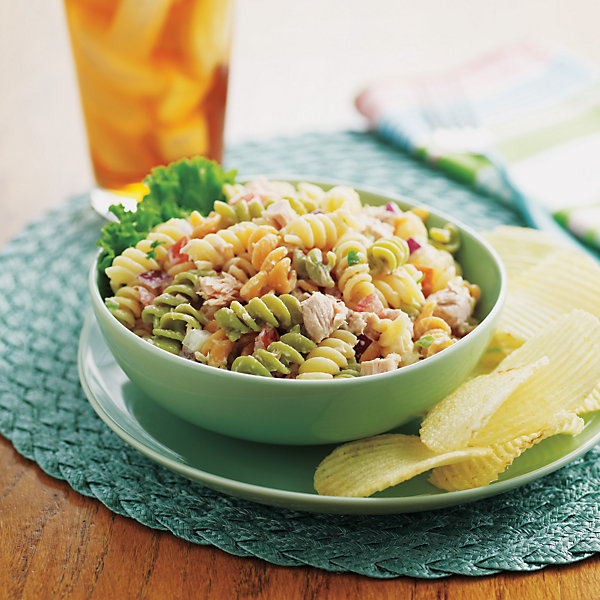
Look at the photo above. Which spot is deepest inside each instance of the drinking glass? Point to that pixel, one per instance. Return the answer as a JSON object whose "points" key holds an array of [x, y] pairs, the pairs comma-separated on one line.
{"points": [[153, 79]]}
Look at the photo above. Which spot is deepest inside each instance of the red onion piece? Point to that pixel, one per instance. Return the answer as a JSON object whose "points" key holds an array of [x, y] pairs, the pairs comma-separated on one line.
{"points": [[412, 244], [363, 343]]}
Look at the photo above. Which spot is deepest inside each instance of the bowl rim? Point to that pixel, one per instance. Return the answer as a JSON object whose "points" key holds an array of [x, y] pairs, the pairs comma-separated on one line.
{"points": [[101, 309]]}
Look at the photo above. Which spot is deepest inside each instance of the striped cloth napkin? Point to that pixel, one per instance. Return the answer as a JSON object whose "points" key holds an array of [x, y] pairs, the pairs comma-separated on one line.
{"points": [[538, 108]]}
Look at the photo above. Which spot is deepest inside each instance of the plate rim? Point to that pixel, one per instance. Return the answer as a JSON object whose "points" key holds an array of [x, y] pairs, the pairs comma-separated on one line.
{"points": [[311, 502]]}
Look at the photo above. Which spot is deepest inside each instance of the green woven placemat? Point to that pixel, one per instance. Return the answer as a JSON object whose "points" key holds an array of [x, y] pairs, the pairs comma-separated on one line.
{"points": [[43, 300]]}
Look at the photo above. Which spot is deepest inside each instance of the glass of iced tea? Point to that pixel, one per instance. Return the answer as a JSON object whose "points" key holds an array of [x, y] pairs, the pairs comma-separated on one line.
{"points": [[153, 83]]}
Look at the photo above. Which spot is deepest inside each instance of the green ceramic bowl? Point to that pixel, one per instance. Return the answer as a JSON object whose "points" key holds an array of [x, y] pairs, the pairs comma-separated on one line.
{"points": [[288, 411]]}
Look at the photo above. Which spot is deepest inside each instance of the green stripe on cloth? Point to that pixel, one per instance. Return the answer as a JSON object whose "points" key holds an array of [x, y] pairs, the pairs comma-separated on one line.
{"points": [[535, 142]]}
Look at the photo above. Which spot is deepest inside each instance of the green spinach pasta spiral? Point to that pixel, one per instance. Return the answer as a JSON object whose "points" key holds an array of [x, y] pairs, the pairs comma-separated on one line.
{"points": [[278, 311], [277, 358], [315, 266], [243, 210], [175, 311], [171, 328]]}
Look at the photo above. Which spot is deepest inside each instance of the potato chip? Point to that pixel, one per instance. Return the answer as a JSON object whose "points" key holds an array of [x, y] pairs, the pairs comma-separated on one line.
{"points": [[565, 280], [520, 247], [591, 403], [363, 467], [482, 470], [452, 423], [572, 345]]}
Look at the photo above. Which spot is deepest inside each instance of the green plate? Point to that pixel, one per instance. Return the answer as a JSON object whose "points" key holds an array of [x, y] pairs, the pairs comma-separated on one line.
{"points": [[278, 475]]}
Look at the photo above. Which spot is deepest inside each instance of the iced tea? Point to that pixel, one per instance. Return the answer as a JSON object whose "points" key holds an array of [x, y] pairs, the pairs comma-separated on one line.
{"points": [[153, 81]]}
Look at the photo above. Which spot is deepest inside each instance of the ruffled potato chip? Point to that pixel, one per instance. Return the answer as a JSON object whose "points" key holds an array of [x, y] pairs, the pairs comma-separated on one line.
{"points": [[572, 345], [591, 403], [361, 468], [452, 423], [520, 247], [544, 405], [483, 470], [565, 280]]}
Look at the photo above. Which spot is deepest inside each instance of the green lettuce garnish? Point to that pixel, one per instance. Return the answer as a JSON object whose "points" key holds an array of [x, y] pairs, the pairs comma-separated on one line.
{"points": [[174, 192]]}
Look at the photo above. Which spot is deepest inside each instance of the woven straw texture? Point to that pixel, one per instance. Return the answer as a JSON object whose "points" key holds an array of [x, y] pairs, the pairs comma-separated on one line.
{"points": [[43, 410]]}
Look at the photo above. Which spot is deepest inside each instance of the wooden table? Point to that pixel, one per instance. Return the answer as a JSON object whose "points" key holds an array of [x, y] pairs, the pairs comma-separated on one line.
{"points": [[55, 543]]}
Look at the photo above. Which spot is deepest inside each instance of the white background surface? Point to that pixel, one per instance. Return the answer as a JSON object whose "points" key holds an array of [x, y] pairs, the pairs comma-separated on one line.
{"points": [[295, 66]]}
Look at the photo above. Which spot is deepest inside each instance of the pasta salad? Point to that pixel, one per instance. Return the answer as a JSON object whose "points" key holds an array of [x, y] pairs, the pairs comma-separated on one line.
{"points": [[281, 280]]}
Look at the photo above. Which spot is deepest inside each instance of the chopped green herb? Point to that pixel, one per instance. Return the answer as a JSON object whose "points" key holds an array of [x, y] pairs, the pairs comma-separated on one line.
{"points": [[425, 341], [111, 303], [421, 278], [175, 191], [353, 258], [152, 252]]}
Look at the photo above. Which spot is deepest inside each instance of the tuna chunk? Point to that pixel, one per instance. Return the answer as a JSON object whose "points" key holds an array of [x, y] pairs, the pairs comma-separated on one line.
{"points": [[356, 322], [219, 290], [322, 315], [455, 305], [363, 323], [380, 365], [280, 213], [391, 313], [384, 214], [378, 229]]}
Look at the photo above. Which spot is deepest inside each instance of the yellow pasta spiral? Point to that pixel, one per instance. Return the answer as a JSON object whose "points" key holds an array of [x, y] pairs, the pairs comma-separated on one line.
{"points": [[354, 280], [125, 305], [343, 197], [396, 337], [215, 249], [387, 254], [400, 288], [329, 357], [410, 225], [128, 265], [149, 254], [319, 230], [432, 333], [443, 265], [240, 267]]}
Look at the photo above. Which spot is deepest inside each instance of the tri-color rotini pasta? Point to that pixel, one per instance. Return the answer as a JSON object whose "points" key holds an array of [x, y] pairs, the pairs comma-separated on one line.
{"points": [[297, 282]]}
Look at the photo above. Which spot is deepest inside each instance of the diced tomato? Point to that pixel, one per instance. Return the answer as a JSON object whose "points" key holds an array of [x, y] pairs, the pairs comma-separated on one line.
{"points": [[155, 280], [427, 281], [176, 256], [370, 303], [267, 335]]}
